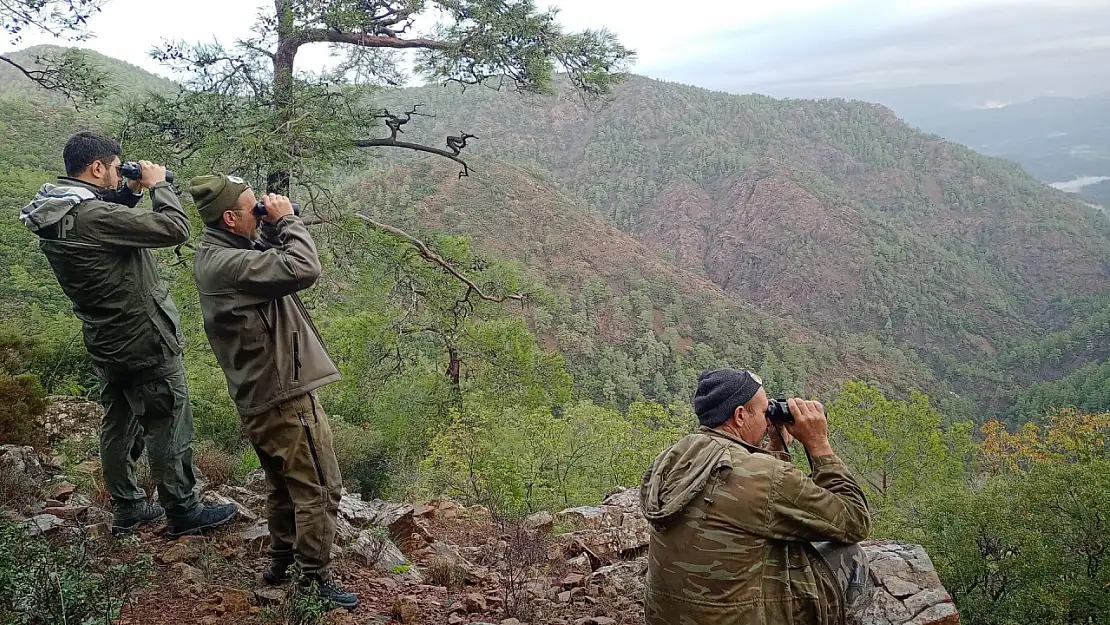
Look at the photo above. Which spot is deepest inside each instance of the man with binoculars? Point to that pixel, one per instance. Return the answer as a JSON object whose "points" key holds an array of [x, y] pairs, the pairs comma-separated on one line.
{"points": [[274, 360], [739, 534], [98, 244]]}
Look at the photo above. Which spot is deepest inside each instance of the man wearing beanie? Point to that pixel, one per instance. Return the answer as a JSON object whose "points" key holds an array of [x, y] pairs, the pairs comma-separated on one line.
{"points": [[739, 534], [274, 360], [98, 243]]}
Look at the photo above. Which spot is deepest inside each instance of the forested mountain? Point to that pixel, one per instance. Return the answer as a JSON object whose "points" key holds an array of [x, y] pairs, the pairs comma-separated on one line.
{"points": [[817, 240]]}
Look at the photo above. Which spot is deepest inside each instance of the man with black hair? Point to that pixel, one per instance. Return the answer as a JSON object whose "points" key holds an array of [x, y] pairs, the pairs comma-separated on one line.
{"points": [[738, 533], [98, 244]]}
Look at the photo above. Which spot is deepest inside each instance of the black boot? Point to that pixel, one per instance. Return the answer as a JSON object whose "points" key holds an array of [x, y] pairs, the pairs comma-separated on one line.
{"points": [[209, 517], [277, 571], [334, 596], [148, 513]]}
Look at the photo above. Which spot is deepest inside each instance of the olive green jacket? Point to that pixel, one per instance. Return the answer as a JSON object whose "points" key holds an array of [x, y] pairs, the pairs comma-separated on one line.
{"points": [[731, 532], [259, 329], [100, 253]]}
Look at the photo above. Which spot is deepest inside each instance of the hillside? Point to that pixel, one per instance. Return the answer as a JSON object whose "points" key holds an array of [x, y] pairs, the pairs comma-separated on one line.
{"points": [[833, 213]]}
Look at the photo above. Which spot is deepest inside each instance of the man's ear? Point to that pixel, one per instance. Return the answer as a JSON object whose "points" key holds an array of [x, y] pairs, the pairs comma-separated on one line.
{"points": [[738, 414], [228, 218]]}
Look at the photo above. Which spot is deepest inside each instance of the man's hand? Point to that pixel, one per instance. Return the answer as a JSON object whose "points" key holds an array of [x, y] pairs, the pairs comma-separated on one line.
{"points": [[277, 206], [810, 426], [152, 174], [134, 186], [775, 442]]}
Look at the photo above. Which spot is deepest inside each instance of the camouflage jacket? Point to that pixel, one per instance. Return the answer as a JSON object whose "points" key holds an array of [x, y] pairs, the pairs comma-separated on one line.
{"points": [[731, 531]]}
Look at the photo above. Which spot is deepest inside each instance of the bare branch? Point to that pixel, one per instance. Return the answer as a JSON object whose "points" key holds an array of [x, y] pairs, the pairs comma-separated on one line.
{"points": [[320, 35], [393, 143], [432, 257]]}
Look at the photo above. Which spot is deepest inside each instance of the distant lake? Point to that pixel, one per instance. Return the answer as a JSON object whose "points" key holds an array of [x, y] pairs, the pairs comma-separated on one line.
{"points": [[1075, 186]]}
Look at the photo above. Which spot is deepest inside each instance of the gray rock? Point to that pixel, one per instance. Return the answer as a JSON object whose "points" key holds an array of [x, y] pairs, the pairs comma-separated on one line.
{"points": [[926, 598], [940, 614], [43, 524], [540, 521], [380, 553], [22, 460], [245, 513]]}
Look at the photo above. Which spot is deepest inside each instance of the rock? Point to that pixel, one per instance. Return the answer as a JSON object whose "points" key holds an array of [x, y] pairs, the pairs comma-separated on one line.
{"points": [[572, 580], [186, 549], [256, 482], [477, 514], [901, 588], [457, 607], [269, 595], [244, 496], [940, 614], [24, 460], [423, 510], [406, 609], [395, 517], [510, 621], [62, 491], [98, 531], [563, 597], [222, 500], [379, 552], [583, 517], [540, 521], [925, 599], [595, 620], [475, 603], [456, 619], [190, 574], [234, 601], [257, 536], [66, 512], [43, 524]]}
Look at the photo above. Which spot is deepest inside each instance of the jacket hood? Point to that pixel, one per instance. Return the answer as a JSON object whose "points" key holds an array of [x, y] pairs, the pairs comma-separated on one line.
{"points": [[51, 203], [678, 474]]}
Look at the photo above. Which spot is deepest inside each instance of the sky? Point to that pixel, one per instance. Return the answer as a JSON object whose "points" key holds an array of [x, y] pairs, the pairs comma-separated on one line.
{"points": [[804, 48]]}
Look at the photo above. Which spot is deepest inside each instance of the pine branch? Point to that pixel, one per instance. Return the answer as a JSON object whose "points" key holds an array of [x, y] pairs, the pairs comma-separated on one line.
{"points": [[434, 258], [393, 143]]}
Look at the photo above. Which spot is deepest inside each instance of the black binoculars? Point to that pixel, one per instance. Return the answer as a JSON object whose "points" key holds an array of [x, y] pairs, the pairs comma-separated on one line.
{"points": [[260, 209], [778, 411], [134, 171]]}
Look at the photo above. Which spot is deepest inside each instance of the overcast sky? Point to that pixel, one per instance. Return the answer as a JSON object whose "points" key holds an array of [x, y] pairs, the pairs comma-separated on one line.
{"points": [[788, 47]]}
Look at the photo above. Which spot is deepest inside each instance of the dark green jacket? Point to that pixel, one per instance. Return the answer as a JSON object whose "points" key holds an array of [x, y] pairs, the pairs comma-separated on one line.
{"points": [[732, 527], [100, 253], [259, 330]]}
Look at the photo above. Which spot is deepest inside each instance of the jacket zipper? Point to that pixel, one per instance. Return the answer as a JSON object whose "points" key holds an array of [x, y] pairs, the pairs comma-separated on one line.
{"points": [[296, 357], [312, 448], [265, 322]]}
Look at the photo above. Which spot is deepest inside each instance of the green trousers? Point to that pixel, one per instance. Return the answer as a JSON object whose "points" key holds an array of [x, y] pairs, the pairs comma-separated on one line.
{"points": [[849, 566], [294, 445], [152, 412]]}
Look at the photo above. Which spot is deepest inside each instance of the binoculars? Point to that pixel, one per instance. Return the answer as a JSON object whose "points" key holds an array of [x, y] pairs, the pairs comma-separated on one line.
{"points": [[134, 171], [778, 411], [260, 209]]}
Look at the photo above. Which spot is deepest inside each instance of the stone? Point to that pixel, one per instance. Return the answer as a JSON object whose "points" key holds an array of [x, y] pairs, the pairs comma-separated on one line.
{"points": [[269, 595], [539, 522], [186, 549], [380, 553], [406, 609], [190, 574], [257, 536], [397, 518], [939, 614], [475, 603], [510, 621], [900, 588], [66, 512], [628, 498], [15, 459], [563, 597], [245, 496], [423, 510], [62, 491], [98, 531], [882, 609], [572, 580], [458, 607], [43, 524], [582, 517], [233, 601], [926, 598], [456, 619]]}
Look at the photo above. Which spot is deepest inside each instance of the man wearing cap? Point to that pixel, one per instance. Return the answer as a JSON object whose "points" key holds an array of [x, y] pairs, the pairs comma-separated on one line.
{"points": [[739, 535], [98, 244], [273, 359]]}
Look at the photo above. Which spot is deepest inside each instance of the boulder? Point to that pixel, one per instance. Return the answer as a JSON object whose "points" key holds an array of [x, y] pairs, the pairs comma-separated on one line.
{"points": [[905, 589], [218, 499], [540, 521], [382, 554], [43, 524], [24, 460]]}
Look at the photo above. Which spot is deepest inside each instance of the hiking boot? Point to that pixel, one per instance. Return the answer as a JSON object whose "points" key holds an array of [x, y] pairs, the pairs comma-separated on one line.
{"points": [[334, 596], [148, 513], [277, 572], [209, 517]]}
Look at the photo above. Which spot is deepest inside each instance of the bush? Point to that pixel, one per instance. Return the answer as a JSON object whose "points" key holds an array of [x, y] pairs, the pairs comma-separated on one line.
{"points": [[361, 455], [17, 492], [23, 401], [83, 582], [217, 466]]}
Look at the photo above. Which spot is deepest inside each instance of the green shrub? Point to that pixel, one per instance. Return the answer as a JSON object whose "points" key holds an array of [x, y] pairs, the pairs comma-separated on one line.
{"points": [[82, 582], [362, 457], [22, 400]]}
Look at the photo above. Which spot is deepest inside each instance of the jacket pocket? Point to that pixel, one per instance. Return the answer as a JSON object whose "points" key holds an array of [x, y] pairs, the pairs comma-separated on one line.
{"points": [[296, 356]]}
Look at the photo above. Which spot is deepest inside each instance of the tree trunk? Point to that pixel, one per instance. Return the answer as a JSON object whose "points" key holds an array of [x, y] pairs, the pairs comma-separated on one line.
{"points": [[277, 180]]}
